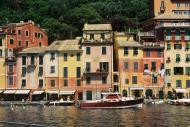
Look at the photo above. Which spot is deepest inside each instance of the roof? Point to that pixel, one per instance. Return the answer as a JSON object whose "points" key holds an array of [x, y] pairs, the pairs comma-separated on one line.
{"points": [[129, 44], [33, 50], [172, 16], [64, 45], [97, 27]]}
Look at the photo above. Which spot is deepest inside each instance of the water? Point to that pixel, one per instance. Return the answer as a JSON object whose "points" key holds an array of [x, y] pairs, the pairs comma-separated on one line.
{"points": [[149, 116]]}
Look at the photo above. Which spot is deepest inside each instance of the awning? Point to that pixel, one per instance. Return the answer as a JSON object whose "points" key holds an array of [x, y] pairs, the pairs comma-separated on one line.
{"points": [[37, 92], [67, 92], [9, 91], [136, 88], [181, 90], [22, 92], [53, 92], [1, 91]]}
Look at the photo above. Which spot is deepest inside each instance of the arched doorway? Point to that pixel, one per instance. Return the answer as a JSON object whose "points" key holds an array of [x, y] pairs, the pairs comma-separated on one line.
{"points": [[161, 95], [148, 93], [125, 93], [169, 95]]}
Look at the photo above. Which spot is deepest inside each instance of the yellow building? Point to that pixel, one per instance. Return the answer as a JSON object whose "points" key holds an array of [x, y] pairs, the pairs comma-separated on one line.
{"points": [[128, 69], [2, 62], [70, 69]]}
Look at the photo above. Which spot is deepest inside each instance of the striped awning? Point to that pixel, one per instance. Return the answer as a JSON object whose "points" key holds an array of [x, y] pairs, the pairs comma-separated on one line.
{"points": [[9, 91], [67, 92], [37, 92], [22, 92]]}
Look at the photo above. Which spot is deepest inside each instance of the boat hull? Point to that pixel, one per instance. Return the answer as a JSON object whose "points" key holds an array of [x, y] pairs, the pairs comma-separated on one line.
{"points": [[116, 104]]}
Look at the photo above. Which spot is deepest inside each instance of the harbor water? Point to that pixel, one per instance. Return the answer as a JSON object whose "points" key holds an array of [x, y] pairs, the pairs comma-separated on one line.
{"points": [[43, 116]]}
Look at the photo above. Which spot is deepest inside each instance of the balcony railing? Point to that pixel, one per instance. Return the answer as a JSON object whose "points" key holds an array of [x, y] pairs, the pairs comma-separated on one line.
{"points": [[168, 38], [149, 33], [153, 45], [182, 24], [98, 71]]}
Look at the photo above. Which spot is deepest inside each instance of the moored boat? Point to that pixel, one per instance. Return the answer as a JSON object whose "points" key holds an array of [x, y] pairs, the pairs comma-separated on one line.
{"points": [[112, 100], [185, 102], [61, 103]]}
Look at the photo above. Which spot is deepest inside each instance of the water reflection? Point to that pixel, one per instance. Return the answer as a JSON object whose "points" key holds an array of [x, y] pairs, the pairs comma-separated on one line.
{"points": [[148, 116]]}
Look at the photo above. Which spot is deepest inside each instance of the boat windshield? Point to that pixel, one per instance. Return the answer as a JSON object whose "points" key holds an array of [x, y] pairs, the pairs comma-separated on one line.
{"points": [[113, 96]]}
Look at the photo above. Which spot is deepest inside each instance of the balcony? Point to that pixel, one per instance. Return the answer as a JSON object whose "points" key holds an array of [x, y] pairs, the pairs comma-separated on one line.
{"points": [[146, 34], [177, 38], [153, 45], [177, 59], [187, 38], [187, 59], [173, 25], [168, 38], [97, 72]]}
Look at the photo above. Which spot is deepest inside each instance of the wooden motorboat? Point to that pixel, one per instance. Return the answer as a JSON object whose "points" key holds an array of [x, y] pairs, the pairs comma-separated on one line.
{"points": [[61, 103], [185, 102], [112, 100]]}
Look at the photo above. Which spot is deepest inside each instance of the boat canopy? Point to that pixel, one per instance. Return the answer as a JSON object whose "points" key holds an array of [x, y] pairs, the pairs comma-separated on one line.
{"points": [[9, 91], [136, 88], [22, 92], [67, 92], [53, 92], [181, 90], [37, 92], [1, 91]]}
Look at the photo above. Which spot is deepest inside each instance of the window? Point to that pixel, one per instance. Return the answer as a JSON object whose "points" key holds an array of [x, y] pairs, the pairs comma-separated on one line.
{"points": [[40, 71], [126, 81], [1, 53], [154, 78], [187, 57], [23, 60], [178, 70], [41, 60], [126, 51], [153, 66], [10, 80], [88, 80], [103, 50], [147, 53], [134, 79], [178, 5], [65, 56], [32, 60], [52, 69], [78, 75], [80, 96], [52, 83], [10, 68], [65, 72], [87, 50], [159, 53], [78, 56], [168, 46], [88, 95], [91, 36], [78, 82], [23, 71], [41, 82], [65, 82], [168, 72], [26, 33], [19, 43], [145, 66], [40, 44], [1, 41], [23, 82], [36, 34], [39, 35], [187, 70], [102, 36], [88, 66], [187, 83], [52, 56], [186, 4], [26, 43], [126, 65], [178, 83], [19, 32], [162, 5], [187, 46], [135, 66], [162, 66], [11, 41], [177, 58], [177, 46], [104, 80], [104, 66], [135, 51]]}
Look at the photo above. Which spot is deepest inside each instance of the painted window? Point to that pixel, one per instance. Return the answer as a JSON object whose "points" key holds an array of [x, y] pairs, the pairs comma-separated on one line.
{"points": [[103, 50], [65, 72], [88, 50], [78, 72], [65, 56], [178, 83]]}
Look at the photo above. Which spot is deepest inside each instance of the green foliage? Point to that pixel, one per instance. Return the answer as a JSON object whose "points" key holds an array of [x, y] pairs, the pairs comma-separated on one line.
{"points": [[65, 18]]}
